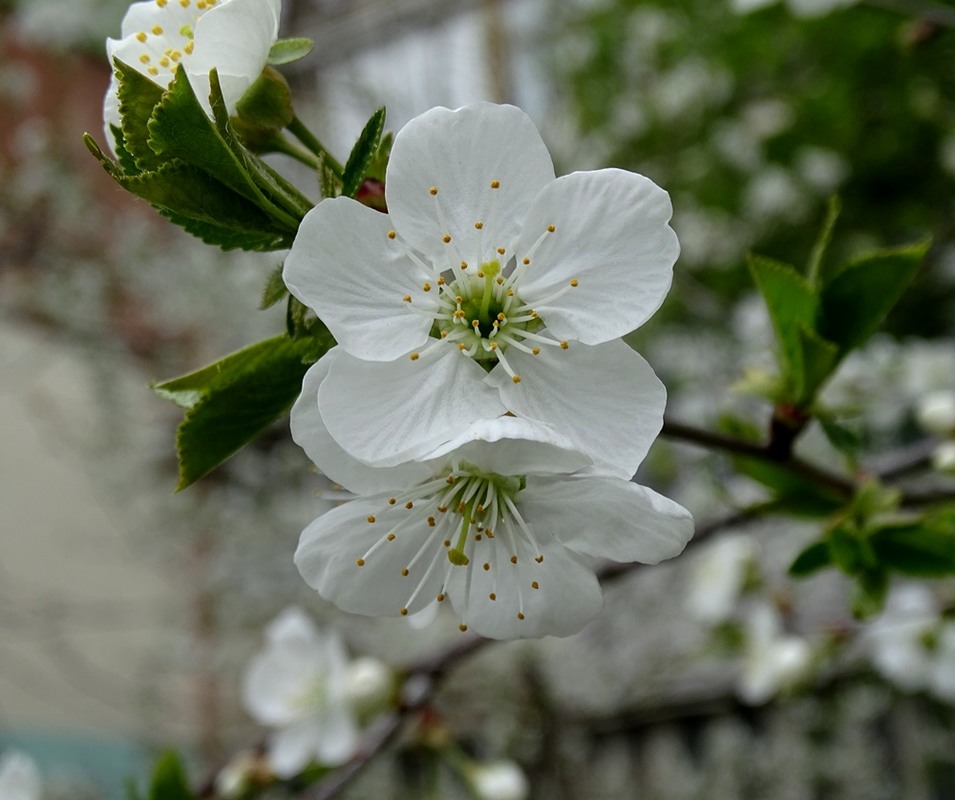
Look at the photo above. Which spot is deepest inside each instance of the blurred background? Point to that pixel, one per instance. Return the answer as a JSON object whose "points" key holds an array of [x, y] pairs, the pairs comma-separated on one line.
{"points": [[128, 612]]}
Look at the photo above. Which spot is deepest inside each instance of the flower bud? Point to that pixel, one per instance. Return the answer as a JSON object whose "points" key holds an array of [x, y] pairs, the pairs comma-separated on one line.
{"points": [[264, 109], [499, 780], [368, 685], [936, 412], [943, 459]]}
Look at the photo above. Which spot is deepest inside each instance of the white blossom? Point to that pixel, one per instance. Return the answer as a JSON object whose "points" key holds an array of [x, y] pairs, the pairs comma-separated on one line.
{"points": [[498, 522], [773, 660], [717, 577], [298, 685], [232, 36], [499, 780], [936, 412], [489, 287], [19, 777]]}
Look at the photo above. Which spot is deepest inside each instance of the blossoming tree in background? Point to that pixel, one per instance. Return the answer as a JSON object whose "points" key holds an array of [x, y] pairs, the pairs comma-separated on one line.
{"points": [[454, 360]]}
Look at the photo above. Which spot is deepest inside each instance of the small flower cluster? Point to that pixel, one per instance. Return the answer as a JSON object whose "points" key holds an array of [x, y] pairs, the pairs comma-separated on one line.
{"points": [[481, 403]]}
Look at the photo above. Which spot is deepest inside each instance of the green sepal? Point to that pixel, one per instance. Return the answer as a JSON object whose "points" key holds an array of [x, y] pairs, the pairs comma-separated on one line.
{"points": [[329, 181], [138, 98], [362, 154], [169, 781], [275, 289], [814, 558], [285, 51], [266, 105], [229, 403], [856, 299], [379, 164]]}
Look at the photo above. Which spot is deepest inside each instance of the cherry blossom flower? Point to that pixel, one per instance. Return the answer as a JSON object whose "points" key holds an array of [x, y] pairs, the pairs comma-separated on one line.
{"points": [[718, 576], [232, 36], [490, 286], [499, 521], [772, 660], [19, 777], [299, 685]]}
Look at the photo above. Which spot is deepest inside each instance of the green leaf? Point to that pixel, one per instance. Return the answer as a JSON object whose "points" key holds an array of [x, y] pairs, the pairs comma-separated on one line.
{"points": [[812, 559], [169, 781], [379, 164], [792, 308], [193, 199], [138, 97], [285, 51], [918, 550], [819, 359], [846, 549], [794, 493], [871, 588], [362, 154], [846, 440], [232, 401], [328, 179], [275, 289], [854, 302], [816, 269]]}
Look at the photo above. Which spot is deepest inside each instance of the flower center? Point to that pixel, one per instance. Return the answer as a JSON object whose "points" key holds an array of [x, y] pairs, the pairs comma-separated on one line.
{"points": [[470, 520], [163, 48]]}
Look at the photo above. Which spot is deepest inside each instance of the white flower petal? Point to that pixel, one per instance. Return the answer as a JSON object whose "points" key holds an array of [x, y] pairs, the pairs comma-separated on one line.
{"points": [[311, 434], [344, 266], [567, 596], [19, 777], [513, 446], [293, 748], [605, 397], [460, 153], [611, 234], [331, 546], [608, 517], [387, 413], [277, 682], [337, 736], [293, 626]]}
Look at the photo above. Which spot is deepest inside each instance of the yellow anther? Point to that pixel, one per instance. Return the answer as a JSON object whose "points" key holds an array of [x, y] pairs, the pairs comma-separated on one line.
{"points": [[539, 559], [153, 70], [501, 317], [392, 234], [493, 345], [433, 191], [513, 559], [440, 598], [516, 379], [458, 299], [486, 566], [564, 345], [536, 351], [525, 261], [533, 314], [551, 229], [446, 238], [392, 501], [477, 538], [574, 282], [490, 533], [371, 518], [157, 30], [447, 542], [535, 585], [405, 572], [444, 334], [426, 287], [407, 298], [492, 596], [188, 47], [464, 265], [409, 504], [495, 184], [462, 627], [141, 36], [175, 55], [360, 562], [161, 3], [443, 509], [184, 3], [462, 346], [520, 615], [499, 280], [475, 324], [510, 292], [480, 274], [144, 59], [415, 356], [479, 225], [163, 62], [404, 612], [440, 281], [432, 522], [391, 537]]}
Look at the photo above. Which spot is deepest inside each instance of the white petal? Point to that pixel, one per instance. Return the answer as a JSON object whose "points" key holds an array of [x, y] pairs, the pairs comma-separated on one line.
{"points": [[387, 413], [513, 446], [460, 153], [337, 736], [278, 681], [611, 234], [311, 434], [235, 38], [605, 398], [344, 266], [608, 517], [567, 598], [292, 626], [143, 16], [294, 748], [330, 547]]}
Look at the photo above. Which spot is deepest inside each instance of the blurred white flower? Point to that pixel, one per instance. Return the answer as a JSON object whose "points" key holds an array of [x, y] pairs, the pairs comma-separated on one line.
{"points": [[798, 8], [232, 36], [19, 777], [299, 684], [943, 457], [369, 685], [773, 660], [499, 780], [717, 577], [936, 412], [234, 779], [824, 170]]}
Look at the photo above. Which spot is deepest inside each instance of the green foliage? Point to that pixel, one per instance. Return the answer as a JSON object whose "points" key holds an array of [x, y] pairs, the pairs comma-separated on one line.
{"points": [[363, 154], [195, 171], [229, 403], [275, 289], [285, 51], [168, 781]]}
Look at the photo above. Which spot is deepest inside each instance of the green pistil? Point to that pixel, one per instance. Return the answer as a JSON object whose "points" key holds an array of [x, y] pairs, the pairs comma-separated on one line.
{"points": [[456, 556], [490, 269]]}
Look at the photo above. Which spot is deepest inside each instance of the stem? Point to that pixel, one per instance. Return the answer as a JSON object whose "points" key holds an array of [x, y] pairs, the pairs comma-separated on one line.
{"points": [[307, 138], [282, 145]]}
